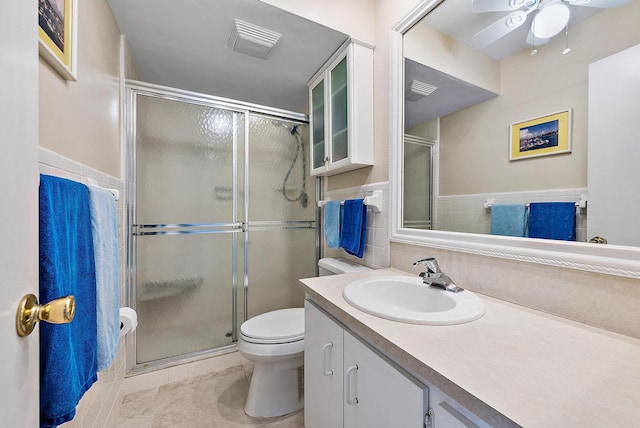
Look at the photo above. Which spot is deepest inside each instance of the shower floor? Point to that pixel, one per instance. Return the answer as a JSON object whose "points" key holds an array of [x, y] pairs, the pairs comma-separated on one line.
{"points": [[212, 400]]}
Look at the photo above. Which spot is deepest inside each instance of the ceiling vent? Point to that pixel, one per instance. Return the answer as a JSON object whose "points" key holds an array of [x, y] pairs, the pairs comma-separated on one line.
{"points": [[252, 40], [416, 90]]}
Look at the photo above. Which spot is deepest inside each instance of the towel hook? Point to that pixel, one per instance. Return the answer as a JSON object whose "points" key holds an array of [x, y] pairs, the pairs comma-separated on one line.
{"points": [[58, 311]]}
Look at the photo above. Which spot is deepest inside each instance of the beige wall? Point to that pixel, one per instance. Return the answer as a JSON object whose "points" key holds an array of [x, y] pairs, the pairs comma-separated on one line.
{"points": [[80, 120], [353, 17], [427, 46], [476, 139]]}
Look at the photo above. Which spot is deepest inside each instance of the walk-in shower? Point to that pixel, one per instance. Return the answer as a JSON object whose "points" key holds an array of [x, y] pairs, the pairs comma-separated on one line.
{"points": [[221, 216]]}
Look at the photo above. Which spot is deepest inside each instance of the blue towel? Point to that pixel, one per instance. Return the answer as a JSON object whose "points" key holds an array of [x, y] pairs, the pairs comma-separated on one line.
{"points": [[509, 219], [332, 223], [552, 220], [353, 231], [68, 355], [104, 229]]}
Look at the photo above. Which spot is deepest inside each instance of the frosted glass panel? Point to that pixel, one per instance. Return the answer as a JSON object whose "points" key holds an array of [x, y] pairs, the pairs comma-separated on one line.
{"points": [[339, 112], [277, 259], [280, 188], [317, 102], [184, 162], [184, 294], [417, 182]]}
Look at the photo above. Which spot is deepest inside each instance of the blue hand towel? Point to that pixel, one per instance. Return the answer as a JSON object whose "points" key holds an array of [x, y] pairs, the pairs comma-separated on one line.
{"points": [[552, 220], [332, 223], [68, 355], [104, 229], [353, 227], [509, 219]]}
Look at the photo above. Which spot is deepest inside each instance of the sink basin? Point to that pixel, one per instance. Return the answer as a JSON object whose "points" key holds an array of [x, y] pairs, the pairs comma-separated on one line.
{"points": [[407, 299]]}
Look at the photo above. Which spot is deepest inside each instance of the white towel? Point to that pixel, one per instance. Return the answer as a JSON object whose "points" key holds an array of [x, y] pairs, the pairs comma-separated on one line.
{"points": [[104, 228]]}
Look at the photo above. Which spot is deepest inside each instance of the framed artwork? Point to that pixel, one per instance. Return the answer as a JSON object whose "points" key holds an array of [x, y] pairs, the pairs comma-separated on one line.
{"points": [[57, 34], [541, 136]]}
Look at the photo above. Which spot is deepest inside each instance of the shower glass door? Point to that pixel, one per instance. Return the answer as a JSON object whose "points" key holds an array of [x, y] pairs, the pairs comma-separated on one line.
{"points": [[222, 220], [281, 215], [187, 226]]}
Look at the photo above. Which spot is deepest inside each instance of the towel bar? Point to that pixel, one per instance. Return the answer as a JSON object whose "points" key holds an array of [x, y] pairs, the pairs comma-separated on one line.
{"points": [[374, 201], [582, 203], [114, 192]]}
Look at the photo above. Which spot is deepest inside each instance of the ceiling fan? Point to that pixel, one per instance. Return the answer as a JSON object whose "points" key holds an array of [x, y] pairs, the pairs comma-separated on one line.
{"points": [[550, 17]]}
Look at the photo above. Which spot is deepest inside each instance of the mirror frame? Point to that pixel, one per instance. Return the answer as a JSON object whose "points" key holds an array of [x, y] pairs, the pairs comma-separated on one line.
{"points": [[605, 259]]}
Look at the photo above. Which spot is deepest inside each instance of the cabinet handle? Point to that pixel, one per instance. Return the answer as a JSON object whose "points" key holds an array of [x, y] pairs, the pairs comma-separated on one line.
{"points": [[325, 352], [354, 400]]}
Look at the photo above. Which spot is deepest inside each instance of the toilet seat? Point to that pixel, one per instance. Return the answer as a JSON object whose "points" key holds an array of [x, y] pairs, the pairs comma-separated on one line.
{"points": [[281, 326]]}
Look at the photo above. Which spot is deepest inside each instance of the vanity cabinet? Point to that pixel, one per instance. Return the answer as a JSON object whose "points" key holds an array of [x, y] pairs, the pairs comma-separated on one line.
{"points": [[341, 113], [347, 384]]}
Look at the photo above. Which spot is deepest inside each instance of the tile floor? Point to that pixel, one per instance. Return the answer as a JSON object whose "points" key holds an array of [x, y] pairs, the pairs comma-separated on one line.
{"points": [[212, 400]]}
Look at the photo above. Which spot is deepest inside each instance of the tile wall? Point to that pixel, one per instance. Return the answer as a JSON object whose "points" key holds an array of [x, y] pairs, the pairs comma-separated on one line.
{"points": [[99, 405], [377, 252], [466, 213]]}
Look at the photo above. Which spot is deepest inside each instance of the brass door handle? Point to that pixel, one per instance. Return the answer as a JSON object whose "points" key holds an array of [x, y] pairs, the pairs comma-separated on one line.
{"points": [[58, 311]]}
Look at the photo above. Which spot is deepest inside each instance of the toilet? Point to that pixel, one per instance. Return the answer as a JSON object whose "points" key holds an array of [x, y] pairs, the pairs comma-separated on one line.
{"points": [[274, 342]]}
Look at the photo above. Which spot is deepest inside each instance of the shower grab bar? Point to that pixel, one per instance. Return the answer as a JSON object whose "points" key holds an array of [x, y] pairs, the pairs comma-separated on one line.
{"points": [[374, 201], [185, 229], [281, 225], [185, 225], [202, 228], [114, 192]]}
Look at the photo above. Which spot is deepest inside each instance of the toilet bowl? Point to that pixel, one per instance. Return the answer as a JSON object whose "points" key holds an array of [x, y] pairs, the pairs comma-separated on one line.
{"points": [[274, 342]]}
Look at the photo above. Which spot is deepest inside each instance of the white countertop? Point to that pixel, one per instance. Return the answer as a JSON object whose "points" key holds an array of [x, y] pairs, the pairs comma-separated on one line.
{"points": [[514, 366]]}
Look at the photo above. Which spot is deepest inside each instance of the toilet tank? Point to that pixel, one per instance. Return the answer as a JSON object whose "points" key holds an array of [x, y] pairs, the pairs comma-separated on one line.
{"points": [[332, 266]]}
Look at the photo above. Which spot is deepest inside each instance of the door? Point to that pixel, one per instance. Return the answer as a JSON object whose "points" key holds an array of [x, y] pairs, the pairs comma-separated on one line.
{"points": [[19, 402], [322, 369], [614, 102], [376, 393], [187, 219]]}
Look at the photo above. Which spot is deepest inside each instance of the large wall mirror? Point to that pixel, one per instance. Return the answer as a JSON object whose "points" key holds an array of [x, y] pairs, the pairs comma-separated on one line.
{"points": [[498, 104]]}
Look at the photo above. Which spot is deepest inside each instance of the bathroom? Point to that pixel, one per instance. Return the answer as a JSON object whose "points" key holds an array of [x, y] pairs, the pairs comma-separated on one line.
{"points": [[76, 141]]}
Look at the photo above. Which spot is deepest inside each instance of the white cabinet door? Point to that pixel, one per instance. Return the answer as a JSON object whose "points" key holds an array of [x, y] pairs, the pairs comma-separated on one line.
{"points": [[341, 100], [322, 370], [376, 393]]}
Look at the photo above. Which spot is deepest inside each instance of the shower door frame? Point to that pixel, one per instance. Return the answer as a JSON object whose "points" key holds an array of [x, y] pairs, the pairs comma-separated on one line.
{"points": [[133, 89]]}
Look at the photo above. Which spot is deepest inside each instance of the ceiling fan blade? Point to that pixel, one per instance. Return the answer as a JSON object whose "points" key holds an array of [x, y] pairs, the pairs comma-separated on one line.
{"points": [[537, 41], [602, 4], [500, 28], [480, 6]]}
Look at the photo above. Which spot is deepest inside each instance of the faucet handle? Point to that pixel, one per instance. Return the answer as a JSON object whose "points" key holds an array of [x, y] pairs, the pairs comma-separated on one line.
{"points": [[430, 263]]}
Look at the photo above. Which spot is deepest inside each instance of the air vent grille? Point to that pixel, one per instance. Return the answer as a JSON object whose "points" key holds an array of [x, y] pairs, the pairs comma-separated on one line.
{"points": [[249, 39], [416, 90]]}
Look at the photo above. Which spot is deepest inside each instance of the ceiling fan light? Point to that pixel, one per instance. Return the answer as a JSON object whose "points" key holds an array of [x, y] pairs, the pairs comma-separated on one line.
{"points": [[550, 20]]}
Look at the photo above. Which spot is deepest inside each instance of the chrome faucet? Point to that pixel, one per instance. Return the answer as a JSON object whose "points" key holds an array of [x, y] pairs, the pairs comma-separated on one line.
{"points": [[434, 276]]}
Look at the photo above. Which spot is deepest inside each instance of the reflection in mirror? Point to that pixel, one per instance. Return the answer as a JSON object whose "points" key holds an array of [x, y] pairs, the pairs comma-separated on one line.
{"points": [[468, 83]]}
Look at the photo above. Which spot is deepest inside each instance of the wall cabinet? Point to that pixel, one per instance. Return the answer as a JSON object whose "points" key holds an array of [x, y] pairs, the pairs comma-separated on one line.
{"points": [[341, 100], [349, 384]]}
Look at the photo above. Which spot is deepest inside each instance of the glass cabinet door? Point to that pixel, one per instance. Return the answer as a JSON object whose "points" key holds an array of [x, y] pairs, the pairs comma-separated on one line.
{"points": [[339, 112], [318, 132]]}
